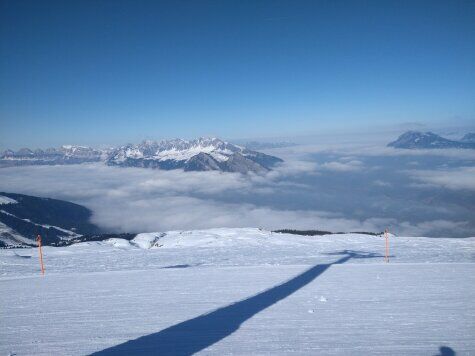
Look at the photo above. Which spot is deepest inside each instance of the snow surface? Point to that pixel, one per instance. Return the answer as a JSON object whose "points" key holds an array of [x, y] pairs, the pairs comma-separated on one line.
{"points": [[7, 200], [240, 292]]}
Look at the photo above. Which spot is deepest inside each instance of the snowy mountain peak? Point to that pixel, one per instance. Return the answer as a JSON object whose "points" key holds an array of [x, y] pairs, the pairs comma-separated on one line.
{"points": [[201, 154], [177, 144]]}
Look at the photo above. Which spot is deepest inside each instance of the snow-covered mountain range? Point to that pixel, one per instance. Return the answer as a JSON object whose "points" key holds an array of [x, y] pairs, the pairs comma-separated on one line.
{"points": [[202, 154], [428, 140], [67, 154]]}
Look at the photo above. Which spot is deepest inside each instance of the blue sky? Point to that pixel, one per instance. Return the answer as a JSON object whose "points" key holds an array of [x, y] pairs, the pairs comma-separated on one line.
{"points": [[92, 72]]}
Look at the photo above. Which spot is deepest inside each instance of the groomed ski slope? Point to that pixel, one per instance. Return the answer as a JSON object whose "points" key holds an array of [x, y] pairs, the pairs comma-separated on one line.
{"points": [[241, 292]]}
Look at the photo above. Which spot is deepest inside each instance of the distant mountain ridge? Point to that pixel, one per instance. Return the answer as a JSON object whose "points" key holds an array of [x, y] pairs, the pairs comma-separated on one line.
{"points": [[429, 140], [67, 154], [202, 154]]}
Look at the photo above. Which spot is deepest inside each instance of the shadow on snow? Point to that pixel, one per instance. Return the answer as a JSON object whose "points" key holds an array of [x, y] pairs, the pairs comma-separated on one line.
{"points": [[194, 335], [446, 351]]}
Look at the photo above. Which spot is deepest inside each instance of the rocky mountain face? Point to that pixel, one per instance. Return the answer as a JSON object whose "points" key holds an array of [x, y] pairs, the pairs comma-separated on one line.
{"points": [[203, 154], [429, 140]]}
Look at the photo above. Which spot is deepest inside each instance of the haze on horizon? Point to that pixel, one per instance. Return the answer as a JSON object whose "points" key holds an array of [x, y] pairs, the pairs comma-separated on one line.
{"points": [[110, 72]]}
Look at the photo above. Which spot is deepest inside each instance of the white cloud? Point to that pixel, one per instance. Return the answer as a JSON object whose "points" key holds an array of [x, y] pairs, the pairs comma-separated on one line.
{"points": [[293, 167], [371, 149], [381, 183], [134, 199], [139, 200], [429, 228], [456, 179], [351, 166], [179, 212]]}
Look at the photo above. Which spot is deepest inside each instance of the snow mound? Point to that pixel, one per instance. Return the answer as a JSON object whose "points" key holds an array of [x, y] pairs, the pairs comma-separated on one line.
{"points": [[120, 243], [147, 240], [219, 237]]}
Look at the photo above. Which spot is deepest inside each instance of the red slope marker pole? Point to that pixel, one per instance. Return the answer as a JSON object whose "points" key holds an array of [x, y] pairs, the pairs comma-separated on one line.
{"points": [[386, 253], [38, 239]]}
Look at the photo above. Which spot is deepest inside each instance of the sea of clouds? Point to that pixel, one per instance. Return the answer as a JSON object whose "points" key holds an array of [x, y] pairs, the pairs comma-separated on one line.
{"points": [[359, 187]]}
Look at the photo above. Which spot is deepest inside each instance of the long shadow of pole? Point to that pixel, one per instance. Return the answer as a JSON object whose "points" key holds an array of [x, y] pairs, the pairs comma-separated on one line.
{"points": [[194, 335]]}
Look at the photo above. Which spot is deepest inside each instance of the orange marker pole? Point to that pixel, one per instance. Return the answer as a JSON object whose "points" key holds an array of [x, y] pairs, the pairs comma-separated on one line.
{"points": [[38, 239], [386, 254]]}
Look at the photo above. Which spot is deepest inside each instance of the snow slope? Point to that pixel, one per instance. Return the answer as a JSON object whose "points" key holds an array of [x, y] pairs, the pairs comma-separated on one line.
{"points": [[23, 217], [7, 200], [240, 292]]}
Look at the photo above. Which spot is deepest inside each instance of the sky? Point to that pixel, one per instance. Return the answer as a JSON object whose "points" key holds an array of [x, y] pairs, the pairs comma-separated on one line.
{"points": [[110, 72]]}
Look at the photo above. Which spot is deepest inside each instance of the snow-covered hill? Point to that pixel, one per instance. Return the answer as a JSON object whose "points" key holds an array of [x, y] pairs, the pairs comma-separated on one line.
{"points": [[241, 292], [202, 154], [23, 217]]}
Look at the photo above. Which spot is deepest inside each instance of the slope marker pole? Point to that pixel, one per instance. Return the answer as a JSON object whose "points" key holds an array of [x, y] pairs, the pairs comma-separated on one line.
{"points": [[38, 239], [386, 252]]}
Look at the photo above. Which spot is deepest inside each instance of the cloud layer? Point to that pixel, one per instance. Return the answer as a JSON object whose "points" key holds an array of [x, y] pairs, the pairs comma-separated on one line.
{"points": [[336, 188], [460, 178], [152, 200]]}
